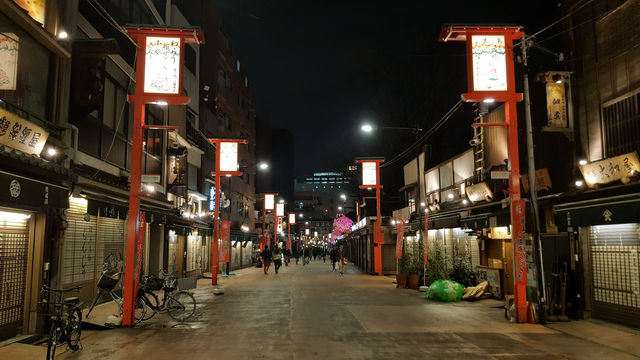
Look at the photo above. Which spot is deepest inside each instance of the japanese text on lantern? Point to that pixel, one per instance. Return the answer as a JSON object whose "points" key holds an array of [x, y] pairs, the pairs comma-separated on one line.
{"points": [[292, 218], [369, 176], [162, 65], [489, 63], [225, 237], [556, 109], [228, 156], [280, 210], [269, 200]]}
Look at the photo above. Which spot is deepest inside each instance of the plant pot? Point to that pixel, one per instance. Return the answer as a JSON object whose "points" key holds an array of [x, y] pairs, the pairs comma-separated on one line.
{"points": [[401, 280], [412, 281]]}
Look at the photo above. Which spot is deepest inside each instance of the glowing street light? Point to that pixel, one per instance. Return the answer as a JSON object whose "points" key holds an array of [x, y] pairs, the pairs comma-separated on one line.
{"points": [[366, 128], [263, 166]]}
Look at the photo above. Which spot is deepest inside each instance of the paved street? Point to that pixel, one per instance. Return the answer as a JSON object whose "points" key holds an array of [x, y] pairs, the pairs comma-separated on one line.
{"points": [[311, 313]]}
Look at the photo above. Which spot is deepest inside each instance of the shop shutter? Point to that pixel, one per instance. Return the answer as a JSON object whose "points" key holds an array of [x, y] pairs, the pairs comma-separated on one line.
{"points": [[78, 251], [111, 239], [14, 247], [614, 251]]}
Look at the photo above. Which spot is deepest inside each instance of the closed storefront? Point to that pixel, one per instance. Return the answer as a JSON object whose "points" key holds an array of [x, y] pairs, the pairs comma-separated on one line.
{"points": [[91, 243], [615, 271], [14, 256]]}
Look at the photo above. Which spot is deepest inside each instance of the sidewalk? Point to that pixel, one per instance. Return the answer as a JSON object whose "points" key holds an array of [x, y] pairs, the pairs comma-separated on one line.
{"points": [[615, 336]]}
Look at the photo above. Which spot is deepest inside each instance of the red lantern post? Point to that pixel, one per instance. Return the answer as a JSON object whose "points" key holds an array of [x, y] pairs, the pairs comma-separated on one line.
{"points": [[491, 78], [292, 220], [371, 180], [159, 64], [226, 165]]}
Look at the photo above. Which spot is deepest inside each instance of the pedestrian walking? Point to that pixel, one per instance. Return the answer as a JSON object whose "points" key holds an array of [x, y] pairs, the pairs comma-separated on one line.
{"points": [[277, 258], [266, 258], [343, 260], [297, 255], [333, 255], [287, 256]]}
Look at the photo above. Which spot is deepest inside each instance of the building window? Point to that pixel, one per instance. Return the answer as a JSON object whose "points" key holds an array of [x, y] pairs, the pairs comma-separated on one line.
{"points": [[240, 207], [621, 126]]}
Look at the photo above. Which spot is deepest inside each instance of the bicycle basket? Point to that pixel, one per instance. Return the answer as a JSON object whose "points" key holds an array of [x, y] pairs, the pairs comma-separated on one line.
{"points": [[152, 283], [108, 281], [170, 283]]}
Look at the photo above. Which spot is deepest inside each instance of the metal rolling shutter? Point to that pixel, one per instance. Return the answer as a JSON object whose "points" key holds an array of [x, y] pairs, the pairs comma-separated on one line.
{"points": [[78, 251], [14, 247], [616, 272], [111, 238]]}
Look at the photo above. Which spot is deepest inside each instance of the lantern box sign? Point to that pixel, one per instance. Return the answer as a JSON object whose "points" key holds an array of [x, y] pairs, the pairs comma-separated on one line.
{"points": [[162, 65], [369, 176], [292, 218], [228, 156], [280, 210], [489, 63], [269, 201], [306, 231]]}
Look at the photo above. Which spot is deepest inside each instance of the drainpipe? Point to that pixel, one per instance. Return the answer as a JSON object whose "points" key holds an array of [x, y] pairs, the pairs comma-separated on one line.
{"points": [[532, 169]]}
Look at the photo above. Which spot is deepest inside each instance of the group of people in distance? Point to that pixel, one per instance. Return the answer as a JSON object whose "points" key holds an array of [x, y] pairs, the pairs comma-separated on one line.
{"points": [[277, 255]]}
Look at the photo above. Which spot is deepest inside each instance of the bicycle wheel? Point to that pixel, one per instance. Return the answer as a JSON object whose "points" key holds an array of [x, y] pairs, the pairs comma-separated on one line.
{"points": [[146, 306], [181, 306], [74, 328], [54, 335]]}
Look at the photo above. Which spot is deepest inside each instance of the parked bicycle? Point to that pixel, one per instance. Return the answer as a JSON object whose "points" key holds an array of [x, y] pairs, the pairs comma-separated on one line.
{"points": [[65, 317], [180, 305]]}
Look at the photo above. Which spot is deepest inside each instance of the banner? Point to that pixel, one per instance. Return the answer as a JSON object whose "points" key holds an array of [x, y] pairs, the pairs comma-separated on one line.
{"points": [[9, 44], [225, 237], [426, 238], [399, 239], [162, 65]]}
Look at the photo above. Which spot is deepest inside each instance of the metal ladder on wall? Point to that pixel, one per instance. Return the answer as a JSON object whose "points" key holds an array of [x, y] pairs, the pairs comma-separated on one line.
{"points": [[478, 150]]}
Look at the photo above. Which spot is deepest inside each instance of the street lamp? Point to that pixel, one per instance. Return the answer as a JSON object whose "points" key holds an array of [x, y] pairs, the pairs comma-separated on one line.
{"points": [[263, 166], [366, 128]]}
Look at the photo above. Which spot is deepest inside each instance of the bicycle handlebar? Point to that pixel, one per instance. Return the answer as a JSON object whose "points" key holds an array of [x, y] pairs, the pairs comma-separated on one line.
{"points": [[49, 289]]}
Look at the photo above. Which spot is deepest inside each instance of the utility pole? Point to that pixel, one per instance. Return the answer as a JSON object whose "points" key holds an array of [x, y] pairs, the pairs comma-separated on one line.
{"points": [[524, 43]]}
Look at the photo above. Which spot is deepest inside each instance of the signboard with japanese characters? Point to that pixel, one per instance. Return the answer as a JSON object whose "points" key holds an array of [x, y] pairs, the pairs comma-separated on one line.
{"points": [[489, 63], [369, 176], [399, 239], [479, 192], [228, 156], [556, 105], [162, 65], [21, 134], [280, 209], [225, 240], [292, 218], [612, 169], [269, 201], [9, 44]]}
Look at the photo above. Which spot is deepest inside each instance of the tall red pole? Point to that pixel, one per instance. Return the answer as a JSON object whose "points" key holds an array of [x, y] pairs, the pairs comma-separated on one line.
{"points": [[264, 229], [377, 227], [216, 226], [129, 290]]}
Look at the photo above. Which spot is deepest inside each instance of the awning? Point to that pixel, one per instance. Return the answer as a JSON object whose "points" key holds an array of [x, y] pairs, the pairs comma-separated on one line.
{"points": [[408, 186], [475, 222], [617, 210], [24, 191]]}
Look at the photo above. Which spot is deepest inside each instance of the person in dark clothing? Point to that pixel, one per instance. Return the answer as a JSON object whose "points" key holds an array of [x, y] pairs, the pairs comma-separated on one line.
{"points": [[297, 255], [266, 258], [324, 255], [333, 255], [277, 258]]}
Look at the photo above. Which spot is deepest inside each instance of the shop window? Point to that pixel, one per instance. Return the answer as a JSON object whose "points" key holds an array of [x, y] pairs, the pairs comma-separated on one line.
{"points": [[621, 125], [240, 207], [24, 72]]}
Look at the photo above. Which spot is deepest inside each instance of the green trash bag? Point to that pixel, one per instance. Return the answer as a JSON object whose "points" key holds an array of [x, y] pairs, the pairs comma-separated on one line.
{"points": [[445, 290]]}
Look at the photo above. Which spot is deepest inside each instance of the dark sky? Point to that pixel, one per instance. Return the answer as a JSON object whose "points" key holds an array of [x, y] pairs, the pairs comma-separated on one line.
{"points": [[319, 67]]}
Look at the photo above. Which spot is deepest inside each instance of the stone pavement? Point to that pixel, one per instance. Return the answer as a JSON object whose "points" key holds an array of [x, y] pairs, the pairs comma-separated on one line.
{"points": [[312, 313]]}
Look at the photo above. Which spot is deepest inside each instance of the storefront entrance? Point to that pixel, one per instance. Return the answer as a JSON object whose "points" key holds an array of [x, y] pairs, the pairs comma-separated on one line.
{"points": [[615, 287]]}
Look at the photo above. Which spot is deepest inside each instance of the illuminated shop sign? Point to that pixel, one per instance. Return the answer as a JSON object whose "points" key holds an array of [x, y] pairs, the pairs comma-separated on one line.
{"points": [[612, 169], [212, 198], [228, 156], [162, 65], [369, 173], [20, 134], [489, 63], [292, 218]]}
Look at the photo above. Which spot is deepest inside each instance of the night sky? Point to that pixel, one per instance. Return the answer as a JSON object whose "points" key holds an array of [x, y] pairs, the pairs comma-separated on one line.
{"points": [[320, 68]]}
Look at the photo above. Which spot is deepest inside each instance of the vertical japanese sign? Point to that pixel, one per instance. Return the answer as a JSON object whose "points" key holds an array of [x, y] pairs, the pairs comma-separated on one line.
{"points": [[228, 156], [225, 237], [212, 198], [556, 105], [489, 63], [280, 210], [21, 134], [269, 201], [292, 218], [519, 242], [9, 44], [140, 250], [400, 239], [369, 175], [162, 65]]}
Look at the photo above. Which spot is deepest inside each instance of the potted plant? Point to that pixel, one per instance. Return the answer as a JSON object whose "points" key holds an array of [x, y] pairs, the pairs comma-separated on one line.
{"points": [[404, 265], [416, 264]]}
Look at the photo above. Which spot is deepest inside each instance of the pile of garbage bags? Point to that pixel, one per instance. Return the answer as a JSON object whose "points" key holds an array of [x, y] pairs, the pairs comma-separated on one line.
{"points": [[444, 290]]}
